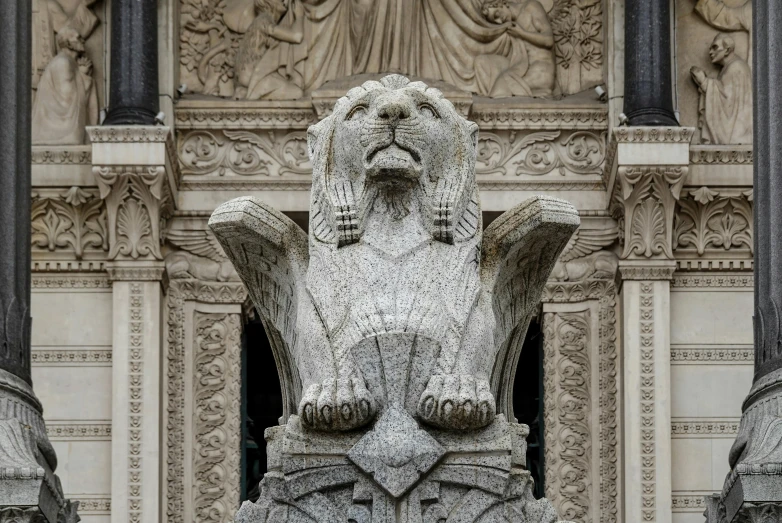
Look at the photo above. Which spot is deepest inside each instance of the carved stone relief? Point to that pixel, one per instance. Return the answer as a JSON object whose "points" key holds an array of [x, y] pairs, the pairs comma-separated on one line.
{"points": [[585, 256], [72, 220], [138, 202], [216, 419], [644, 203], [67, 69], [716, 101], [712, 222], [199, 256], [257, 50], [214, 352], [580, 351]]}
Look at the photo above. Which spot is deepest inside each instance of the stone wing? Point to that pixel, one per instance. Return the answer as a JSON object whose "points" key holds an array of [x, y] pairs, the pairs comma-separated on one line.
{"points": [[519, 251], [586, 241], [198, 242], [270, 253]]}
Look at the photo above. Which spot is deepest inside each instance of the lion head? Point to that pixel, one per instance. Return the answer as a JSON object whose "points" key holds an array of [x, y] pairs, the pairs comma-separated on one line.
{"points": [[391, 146]]}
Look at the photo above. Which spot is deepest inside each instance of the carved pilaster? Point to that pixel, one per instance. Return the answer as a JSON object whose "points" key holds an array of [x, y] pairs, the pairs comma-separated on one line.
{"points": [[203, 329], [581, 406]]}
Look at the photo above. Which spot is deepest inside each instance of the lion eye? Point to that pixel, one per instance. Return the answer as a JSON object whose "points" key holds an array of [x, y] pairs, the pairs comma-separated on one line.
{"points": [[358, 111], [428, 110]]}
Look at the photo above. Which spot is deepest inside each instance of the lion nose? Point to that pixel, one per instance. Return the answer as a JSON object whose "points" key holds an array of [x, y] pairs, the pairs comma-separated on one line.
{"points": [[393, 110]]}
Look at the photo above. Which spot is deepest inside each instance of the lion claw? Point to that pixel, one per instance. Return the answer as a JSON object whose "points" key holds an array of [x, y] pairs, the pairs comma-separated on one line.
{"points": [[337, 405], [457, 401]]}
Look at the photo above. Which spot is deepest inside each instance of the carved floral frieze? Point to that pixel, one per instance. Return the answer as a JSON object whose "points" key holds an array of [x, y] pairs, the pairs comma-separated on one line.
{"points": [[708, 220], [72, 220]]}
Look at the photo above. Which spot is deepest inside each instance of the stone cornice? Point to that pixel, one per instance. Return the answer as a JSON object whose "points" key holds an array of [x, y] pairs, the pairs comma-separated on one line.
{"points": [[129, 134], [713, 280], [300, 114], [646, 272], [61, 155], [653, 134], [721, 154]]}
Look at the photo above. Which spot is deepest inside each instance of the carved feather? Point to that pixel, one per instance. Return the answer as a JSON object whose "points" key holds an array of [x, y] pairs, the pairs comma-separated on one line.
{"points": [[201, 243], [586, 241], [519, 251], [270, 253]]}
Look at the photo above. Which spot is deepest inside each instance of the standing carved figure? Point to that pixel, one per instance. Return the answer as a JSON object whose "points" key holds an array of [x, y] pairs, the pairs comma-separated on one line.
{"points": [[67, 99], [725, 104], [398, 321]]}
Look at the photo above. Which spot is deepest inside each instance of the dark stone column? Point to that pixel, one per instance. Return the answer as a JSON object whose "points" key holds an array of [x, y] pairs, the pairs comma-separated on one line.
{"points": [[15, 141], [753, 489], [767, 65], [133, 91], [648, 97]]}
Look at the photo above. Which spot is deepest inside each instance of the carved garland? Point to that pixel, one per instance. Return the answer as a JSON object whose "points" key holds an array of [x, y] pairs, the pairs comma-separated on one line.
{"points": [[181, 291]]}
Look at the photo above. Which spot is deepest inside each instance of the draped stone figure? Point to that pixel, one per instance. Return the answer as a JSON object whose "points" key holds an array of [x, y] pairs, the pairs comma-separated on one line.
{"points": [[397, 322], [67, 99], [725, 104]]}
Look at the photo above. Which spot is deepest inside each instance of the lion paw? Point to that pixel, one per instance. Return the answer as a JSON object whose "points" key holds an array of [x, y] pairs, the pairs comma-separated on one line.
{"points": [[337, 405], [457, 401]]}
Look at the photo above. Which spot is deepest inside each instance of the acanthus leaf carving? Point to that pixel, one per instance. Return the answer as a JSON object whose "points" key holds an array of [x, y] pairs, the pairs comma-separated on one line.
{"points": [[708, 220], [138, 202], [648, 197], [74, 219]]}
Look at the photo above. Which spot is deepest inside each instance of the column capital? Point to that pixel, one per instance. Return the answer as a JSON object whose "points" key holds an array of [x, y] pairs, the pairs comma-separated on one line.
{"points": [[135, 170]]}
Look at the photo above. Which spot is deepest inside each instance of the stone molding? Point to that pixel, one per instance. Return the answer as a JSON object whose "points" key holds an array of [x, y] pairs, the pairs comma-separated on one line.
{"points": [[70, 282], [61, 155], [94, 505], [570, 475], [128, 134], [648, 404], [713, 281], [699, 428], [653, 134], [80, 431], [721, 155], [47, 357], [180, 292], [136, 403], [132, 273], [689, 502], [646, 273], [712, 355], [580, 118]]}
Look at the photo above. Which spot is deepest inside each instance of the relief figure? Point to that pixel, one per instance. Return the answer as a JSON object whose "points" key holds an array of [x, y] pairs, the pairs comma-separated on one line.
{"points": [[725, 105], [726, 18], [531, 71], [67, 99]]}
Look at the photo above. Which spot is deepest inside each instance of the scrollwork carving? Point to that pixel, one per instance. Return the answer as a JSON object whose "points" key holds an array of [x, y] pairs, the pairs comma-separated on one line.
{"points": [[568, 411], [72, 220], [217, 416], [540, 153], [244, 153]]}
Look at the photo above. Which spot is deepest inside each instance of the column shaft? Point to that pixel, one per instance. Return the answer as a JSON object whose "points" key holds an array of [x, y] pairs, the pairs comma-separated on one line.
{"points": [[648, 98], [767, 58], [15, 139], [133, 92]]}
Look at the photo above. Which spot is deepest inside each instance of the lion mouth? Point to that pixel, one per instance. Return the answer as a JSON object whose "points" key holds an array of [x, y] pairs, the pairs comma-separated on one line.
{"points": [[393, 161]]}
